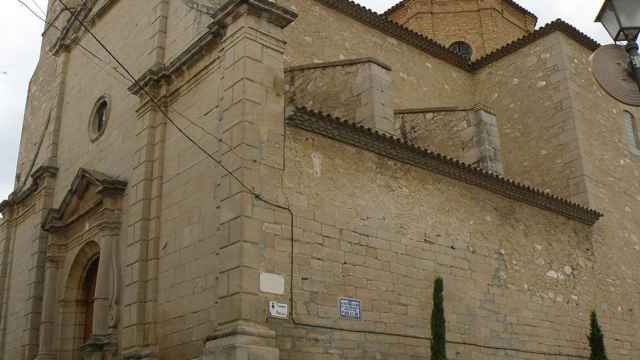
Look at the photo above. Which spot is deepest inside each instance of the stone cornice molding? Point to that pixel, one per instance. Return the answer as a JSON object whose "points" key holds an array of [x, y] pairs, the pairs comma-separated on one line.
{"points": [[339, 63], [89, 12], [104, 186], [397, 149], [198, 6], [221, 19], [37, 180]]}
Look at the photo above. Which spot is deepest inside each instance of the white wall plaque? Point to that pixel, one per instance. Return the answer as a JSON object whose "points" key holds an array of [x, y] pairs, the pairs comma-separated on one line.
{"points": [[278, 310], [272, 283]]}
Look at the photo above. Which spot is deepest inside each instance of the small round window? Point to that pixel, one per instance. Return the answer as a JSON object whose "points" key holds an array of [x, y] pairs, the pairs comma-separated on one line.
{"points": [[99, 118], [462, 48]]}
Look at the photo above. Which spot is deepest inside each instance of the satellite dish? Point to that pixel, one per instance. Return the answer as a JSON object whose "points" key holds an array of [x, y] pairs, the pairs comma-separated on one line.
{"points": [[610, 67]]}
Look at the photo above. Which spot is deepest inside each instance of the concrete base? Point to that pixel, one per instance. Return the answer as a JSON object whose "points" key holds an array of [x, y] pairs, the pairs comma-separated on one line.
{"points": [[242, 341]]}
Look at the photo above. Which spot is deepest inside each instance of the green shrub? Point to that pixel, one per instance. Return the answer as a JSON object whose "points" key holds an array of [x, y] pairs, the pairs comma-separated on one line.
{"points": [[596, 340], [438, 323]]}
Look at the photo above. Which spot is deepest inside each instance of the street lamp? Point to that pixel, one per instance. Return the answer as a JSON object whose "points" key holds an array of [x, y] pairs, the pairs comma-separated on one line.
{"points": [[621, 18]]}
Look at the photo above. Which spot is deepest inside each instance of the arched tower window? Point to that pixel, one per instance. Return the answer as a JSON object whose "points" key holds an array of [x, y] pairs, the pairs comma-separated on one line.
{"points": [[463, 49], [632, 132], [88, 296]]}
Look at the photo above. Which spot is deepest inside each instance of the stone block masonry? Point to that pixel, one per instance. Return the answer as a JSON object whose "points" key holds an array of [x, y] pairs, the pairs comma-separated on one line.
{"points": [[469, 135], [485, 25], [326, 209], [357, 90]]}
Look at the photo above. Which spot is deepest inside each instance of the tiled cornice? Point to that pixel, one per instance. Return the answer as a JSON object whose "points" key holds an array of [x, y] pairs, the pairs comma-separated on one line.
{"points": [[437, 50], [517, 6], [397, 31], [399, 150], [557, 25]]}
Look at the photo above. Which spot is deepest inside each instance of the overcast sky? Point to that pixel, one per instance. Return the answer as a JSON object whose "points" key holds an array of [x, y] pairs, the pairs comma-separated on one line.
{"points": [[20, 44]]}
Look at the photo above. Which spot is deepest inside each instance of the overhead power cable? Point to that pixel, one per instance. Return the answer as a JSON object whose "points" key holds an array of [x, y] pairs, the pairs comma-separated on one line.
{"points": [[84, 48], [35, 2], [164, 113], [31, 10]]}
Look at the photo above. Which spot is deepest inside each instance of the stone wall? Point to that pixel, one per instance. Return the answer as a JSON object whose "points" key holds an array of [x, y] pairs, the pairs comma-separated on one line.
{"points": [[379, 231], [418, 79], [486, 25], [529, 92], [21, 268], [194, 241], [190, 217], [357, 91], [610, 175], [41, 119], [469, 135]]}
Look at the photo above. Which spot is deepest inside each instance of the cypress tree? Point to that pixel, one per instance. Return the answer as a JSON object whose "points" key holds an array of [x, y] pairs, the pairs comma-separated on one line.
{"points": [[438, 323], [596, 340]]}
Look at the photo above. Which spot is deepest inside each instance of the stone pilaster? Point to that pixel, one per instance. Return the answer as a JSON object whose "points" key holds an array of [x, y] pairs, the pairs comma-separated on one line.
{"points": [[46, 350], [56, 112], [376, 111], [355, 90], [6, 236], [139, 265], [43, 199], [484, 141], [139, 339], [252, 125]]}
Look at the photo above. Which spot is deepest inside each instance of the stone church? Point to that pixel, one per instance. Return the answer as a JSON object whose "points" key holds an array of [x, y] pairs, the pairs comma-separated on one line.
{"points": [[285, 180]]}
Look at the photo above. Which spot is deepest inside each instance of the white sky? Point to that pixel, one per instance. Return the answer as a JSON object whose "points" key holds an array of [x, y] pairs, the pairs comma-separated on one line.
{"points": [[20, 44]]}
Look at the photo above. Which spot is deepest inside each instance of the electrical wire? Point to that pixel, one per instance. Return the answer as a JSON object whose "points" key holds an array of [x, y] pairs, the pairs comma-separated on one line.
{"points": [[161, 109], [30, 9], [44, 13], [84, 48]]}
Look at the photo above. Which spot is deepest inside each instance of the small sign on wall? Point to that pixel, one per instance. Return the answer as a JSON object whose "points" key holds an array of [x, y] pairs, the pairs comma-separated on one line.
{"points": [[272, 283], [279, 310], [350, 309]]}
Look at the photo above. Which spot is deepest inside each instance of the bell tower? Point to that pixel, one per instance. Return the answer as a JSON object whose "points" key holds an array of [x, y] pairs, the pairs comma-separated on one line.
{"points": [[473, 28]]}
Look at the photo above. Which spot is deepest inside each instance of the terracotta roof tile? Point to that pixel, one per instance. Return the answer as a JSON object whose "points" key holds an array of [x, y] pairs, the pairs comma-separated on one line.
{"points": [[557, 25], [437, 50], [397, 149], [397, 31]]}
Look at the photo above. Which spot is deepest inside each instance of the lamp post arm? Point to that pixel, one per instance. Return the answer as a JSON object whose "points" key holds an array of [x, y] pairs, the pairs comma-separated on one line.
{"points": [[634, 60]]}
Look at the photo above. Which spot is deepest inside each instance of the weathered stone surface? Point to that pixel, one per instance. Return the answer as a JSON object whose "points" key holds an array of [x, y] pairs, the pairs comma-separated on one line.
{"points": [[189, 241], [485, 25], [470, 135], [356, 90]]}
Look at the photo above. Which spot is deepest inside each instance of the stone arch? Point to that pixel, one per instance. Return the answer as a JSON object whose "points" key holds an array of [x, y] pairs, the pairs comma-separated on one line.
{"points": [[74, 302]]}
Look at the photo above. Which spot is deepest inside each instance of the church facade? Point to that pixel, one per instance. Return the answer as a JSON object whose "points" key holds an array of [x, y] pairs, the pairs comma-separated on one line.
{"points": [[284, 180]]}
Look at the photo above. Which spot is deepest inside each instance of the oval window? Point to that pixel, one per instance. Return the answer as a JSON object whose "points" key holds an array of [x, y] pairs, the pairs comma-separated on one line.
{"points": [[99, 118]]}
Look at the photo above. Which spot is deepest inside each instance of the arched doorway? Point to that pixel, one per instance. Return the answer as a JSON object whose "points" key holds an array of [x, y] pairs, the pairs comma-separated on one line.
{"points": [[88, 294], [77, 306]]}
